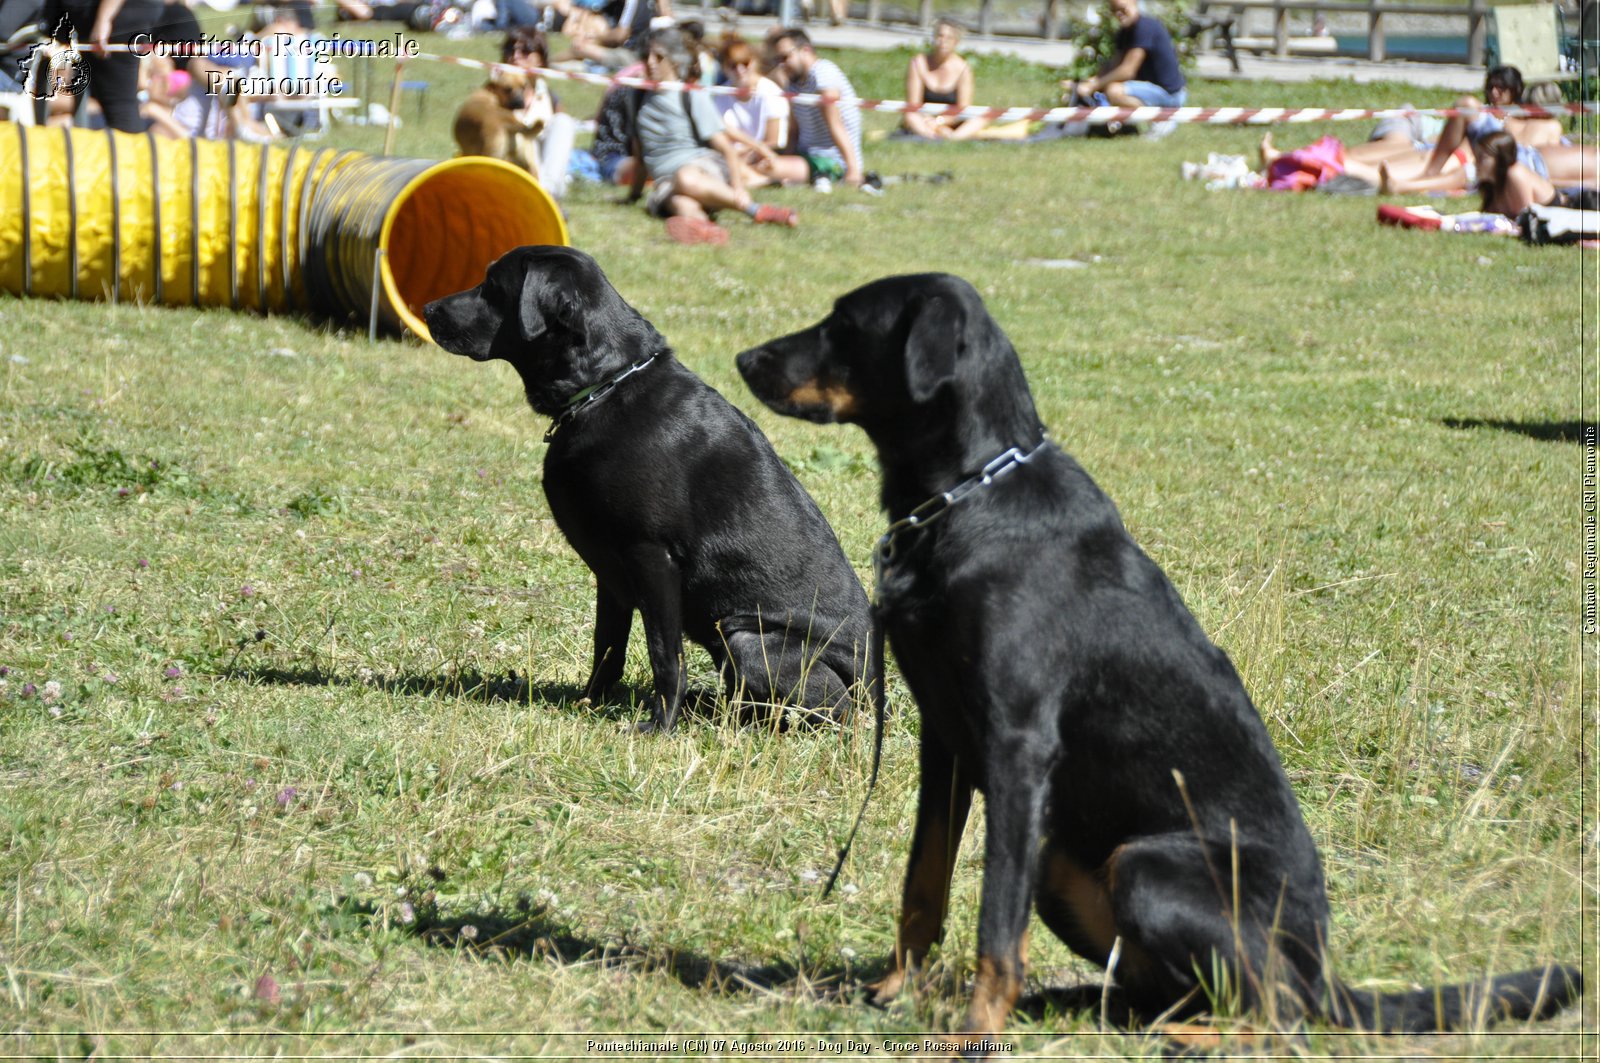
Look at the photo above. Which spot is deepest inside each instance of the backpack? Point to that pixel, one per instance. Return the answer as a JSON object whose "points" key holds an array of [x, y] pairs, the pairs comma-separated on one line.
{"points": [[1558, 225]]}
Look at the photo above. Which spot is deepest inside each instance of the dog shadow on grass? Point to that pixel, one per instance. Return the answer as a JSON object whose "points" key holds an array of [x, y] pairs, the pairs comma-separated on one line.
{"points": [[531, 931], [1548, 431], [622, 704]]}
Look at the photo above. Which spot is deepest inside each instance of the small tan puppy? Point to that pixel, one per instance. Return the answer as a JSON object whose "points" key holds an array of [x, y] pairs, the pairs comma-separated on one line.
{"points": [[489, 123]]}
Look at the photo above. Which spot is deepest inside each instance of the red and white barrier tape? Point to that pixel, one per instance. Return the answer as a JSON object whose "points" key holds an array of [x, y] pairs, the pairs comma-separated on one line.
{"points": [[1087, 115], [1090, 115]]}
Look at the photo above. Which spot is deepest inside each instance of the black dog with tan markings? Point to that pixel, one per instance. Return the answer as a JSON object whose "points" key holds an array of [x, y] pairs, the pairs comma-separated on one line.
{"points": [[1132, 791], [672, 497]]}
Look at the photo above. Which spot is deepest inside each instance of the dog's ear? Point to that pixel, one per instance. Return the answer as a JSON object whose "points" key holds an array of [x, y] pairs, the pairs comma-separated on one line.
{"points": [[549, 301], [932, 343]]}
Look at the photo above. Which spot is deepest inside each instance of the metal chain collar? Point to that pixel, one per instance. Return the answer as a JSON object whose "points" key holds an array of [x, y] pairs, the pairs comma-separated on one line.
{"points": [[883, 554], [589, 397]]}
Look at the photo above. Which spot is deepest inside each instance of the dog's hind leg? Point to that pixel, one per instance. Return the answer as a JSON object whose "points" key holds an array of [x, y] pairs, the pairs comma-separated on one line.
{"points": [[1192, 937], [943, 801], [613, 622], [778, 668]]}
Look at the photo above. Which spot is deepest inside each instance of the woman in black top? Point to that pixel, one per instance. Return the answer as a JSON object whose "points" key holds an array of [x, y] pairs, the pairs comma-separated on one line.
{"points": [[940, 76]]}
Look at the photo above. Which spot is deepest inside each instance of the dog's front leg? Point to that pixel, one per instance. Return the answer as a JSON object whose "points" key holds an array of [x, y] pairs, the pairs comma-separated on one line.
{"points": [[613, 621], [1017, 765], [660, 592], [943, 800]]}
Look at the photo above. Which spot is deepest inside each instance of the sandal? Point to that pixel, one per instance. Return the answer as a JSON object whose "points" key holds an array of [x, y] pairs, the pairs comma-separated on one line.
{"points": [[696, 231], [772, 214]]}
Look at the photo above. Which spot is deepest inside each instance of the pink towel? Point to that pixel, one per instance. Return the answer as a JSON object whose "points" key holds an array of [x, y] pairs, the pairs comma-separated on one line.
{"points": [[1307, 167]]}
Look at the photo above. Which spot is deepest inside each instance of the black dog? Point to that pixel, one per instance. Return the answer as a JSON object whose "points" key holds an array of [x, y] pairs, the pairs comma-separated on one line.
{"points": [[672, 497], [1132, 791]]}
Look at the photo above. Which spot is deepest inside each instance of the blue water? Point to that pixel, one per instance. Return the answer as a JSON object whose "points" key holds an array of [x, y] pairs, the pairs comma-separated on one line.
{"points": [[1443, 49]]}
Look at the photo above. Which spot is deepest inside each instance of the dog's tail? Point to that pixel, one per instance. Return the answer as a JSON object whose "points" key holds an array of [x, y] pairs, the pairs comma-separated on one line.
{"points": [[1537, 993]]}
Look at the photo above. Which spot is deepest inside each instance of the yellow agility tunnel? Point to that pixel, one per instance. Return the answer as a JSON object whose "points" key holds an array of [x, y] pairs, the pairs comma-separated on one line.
{"points": [[97, 214]]}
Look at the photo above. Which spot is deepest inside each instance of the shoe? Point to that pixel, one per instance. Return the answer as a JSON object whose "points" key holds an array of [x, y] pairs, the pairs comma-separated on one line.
{"points": [[772, 214], [696, 231], [1161, 130], [822, 185]]}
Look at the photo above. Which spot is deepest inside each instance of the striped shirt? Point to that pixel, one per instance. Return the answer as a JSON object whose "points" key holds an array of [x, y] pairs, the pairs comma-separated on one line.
{"points": [[814, 136]]}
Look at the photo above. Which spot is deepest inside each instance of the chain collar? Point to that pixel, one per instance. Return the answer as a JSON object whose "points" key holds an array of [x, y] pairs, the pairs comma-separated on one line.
{"points": [[591, 395], [883, 555]]}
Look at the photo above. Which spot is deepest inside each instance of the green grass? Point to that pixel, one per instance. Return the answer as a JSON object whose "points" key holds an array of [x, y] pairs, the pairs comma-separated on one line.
{"points": [[319, 642]]}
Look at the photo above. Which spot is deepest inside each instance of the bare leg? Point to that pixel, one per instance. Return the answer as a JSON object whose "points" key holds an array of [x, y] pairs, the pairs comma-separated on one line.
{"points": [[1009, 131], [708, 191], [922, 125], [1450, 138], [1397, 180], [1572, 164], [1376, 151], [1269, 153], [790, 170], [971, 129], [688, 207]]}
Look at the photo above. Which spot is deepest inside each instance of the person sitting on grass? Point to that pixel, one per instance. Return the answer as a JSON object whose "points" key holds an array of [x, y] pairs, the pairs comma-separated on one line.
{"points": [[1143, 72], [616, 46], [612, 146], [829, 132], [527, 49], [1543, 148], [1509, 186], [757, 118], [941, 76], [679, 141]]}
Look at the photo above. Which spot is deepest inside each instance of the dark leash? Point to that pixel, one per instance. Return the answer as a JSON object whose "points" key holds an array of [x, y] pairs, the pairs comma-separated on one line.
{"points": [[883, 557], [879, 711], [591, 395]]}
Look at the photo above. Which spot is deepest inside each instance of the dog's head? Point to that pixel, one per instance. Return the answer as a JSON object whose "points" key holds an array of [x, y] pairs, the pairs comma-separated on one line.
{"points": [[896, 356], [509, 87], [553, 315]]}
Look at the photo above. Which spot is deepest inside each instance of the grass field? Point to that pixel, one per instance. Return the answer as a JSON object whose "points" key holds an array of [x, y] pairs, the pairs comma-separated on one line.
{"points": [[291, 761]]}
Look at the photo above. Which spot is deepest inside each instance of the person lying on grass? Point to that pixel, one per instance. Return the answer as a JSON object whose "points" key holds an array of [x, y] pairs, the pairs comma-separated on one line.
{"points": [[1543, 148], [1390, 148], [1510, 186], [680, 143]]}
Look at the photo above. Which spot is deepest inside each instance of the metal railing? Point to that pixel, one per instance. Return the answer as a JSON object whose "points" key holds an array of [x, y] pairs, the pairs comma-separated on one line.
{"points": [[1049, 19], [1474, 14]]}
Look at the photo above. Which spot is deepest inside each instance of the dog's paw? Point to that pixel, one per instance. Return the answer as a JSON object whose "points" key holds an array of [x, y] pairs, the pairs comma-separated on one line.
{"points": [[653, 726], [884, 991]]}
